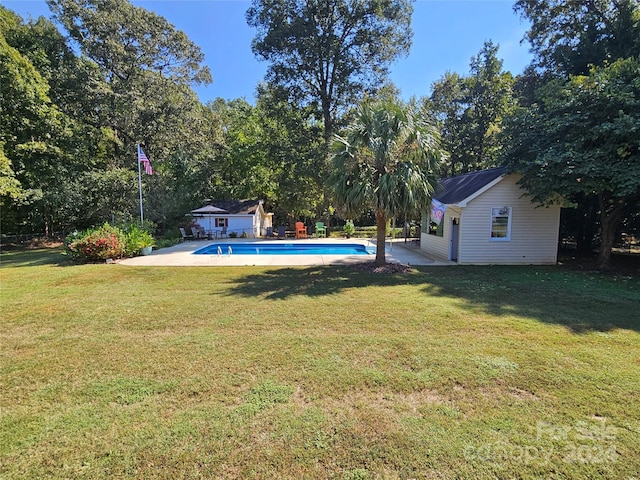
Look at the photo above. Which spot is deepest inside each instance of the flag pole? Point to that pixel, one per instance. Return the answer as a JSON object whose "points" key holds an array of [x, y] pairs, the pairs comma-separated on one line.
{"points": [[140, 186]]}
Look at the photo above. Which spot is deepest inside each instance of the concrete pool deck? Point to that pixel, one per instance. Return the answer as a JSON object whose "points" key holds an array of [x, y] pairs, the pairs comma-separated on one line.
{"points": [[181, 255]]}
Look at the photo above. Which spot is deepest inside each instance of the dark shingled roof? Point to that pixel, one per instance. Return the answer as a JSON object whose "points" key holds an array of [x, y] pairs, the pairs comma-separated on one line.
{"points": [[237, 207], [455, 189]]}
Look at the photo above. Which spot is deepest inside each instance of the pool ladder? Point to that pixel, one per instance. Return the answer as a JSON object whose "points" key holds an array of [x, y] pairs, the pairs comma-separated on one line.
{"points": [[229, 251]]}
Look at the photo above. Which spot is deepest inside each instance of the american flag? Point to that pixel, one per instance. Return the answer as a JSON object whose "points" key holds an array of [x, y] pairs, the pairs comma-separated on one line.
{"points": [[145, 161]]}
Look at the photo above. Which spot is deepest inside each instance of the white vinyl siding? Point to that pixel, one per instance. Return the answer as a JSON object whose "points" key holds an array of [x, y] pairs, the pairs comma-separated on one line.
{"points": [[533, 233], [241, 224]]}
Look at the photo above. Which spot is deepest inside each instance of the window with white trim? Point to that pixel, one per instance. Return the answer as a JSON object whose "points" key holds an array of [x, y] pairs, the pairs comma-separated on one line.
{"points": [[222, 222], [501, 224], [431, 227]]}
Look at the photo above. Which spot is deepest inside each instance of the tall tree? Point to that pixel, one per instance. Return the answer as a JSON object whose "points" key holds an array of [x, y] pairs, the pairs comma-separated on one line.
{"points": [[123, 39], [144, 94], [446, 102], [293, 144], [32, 132], [144, 61], [567, 37], [471, 109], [69, 159], [388, 162], [243, 171], [582, 138], [72, 79], [330, 52], [65, 200], [568, 40], [273, 151]]}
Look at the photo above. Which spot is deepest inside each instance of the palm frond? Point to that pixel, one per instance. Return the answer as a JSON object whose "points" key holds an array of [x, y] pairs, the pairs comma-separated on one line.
{"points": [[387, 159]]}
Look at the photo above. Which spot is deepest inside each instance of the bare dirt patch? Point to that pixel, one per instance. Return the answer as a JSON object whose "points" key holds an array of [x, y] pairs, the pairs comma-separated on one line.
{"points": [[371, 267]]}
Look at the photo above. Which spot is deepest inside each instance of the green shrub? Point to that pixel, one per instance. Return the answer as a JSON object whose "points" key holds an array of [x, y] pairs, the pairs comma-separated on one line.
{"points": [[96, 244], [136, 238], [107, 241], [348, 228], [167, 242]]}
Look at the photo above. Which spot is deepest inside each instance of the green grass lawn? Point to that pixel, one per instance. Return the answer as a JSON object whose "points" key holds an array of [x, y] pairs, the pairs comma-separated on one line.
{"points": [[109, 371]]}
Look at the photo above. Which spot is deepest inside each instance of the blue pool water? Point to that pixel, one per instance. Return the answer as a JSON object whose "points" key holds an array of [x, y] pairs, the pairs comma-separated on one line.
{"points": [[269, 248]]}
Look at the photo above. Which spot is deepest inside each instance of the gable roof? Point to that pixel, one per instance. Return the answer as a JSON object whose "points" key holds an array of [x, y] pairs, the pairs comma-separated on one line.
{"points": [[208, 209], [455, 190], [237, 207]]}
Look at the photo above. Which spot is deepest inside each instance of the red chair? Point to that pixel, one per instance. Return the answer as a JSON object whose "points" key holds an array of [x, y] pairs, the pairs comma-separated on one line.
{"points": [[301, 230]]}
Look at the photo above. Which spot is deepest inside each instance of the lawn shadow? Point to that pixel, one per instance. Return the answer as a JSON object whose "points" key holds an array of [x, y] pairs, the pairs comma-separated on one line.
{"points": [[316, 281], [582, 302]]}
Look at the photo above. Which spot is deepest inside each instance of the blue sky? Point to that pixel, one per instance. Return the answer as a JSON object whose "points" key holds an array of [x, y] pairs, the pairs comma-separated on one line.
{"points": [[447, 33]]}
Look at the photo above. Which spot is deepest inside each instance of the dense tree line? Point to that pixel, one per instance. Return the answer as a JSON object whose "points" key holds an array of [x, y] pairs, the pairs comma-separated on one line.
{"points": [[71, 122], [470, 110], [73, 110], [577, 131], [73, 106]]}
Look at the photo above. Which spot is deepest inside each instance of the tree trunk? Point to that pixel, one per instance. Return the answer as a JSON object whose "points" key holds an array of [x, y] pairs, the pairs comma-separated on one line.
{"points": [[381, 228], [585, 223], [610, 217], [327, 119]]}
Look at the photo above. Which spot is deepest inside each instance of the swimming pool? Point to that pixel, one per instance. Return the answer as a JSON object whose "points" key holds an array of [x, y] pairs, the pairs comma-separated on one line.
{"points": [[272, 248]]}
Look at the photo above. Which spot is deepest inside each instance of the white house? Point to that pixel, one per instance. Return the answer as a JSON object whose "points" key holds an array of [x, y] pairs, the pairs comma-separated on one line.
{"points": [[224, 217], [488, 219]]}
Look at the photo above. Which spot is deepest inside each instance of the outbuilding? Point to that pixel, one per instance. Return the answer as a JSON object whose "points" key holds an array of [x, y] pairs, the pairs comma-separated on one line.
{"points": [[484, 217], [234, 218]]}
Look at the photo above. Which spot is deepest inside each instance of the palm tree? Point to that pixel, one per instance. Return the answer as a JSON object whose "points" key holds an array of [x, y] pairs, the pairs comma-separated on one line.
{"points": [[388, 162]]}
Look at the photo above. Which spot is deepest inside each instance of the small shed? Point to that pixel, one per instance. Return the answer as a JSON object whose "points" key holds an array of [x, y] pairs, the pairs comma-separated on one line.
{"points": [[241, 217], [484, 217]]}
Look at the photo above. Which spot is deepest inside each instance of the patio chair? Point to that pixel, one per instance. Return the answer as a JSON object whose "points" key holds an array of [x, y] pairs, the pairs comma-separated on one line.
{"points": [[282, 231], [223, 232], [301, 230], [184, 234], [196, 233], [321, 230]]}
